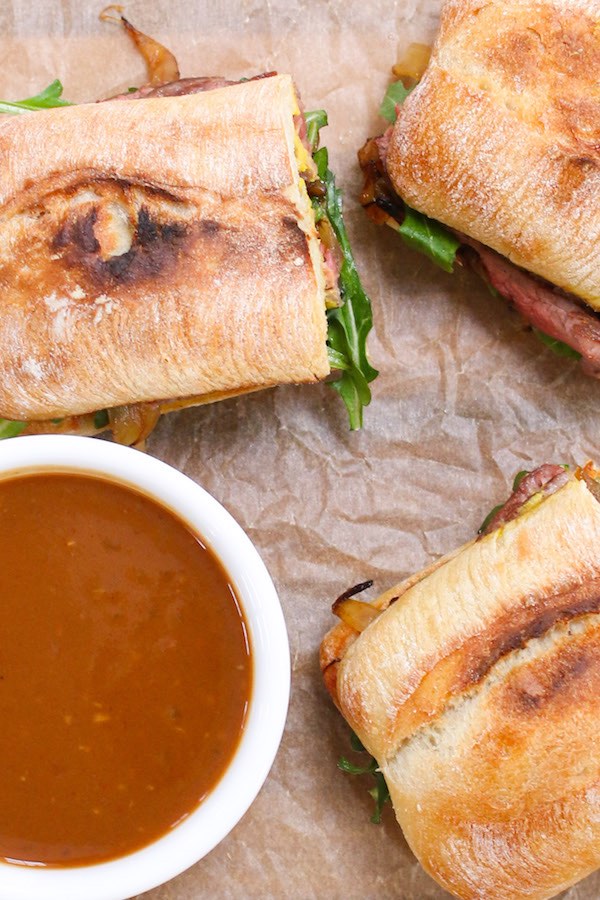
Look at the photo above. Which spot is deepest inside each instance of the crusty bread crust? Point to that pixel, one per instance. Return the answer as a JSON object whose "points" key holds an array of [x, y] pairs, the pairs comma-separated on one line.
{"points": [[338, 639], [156, 249], [478, 691], [436, 641], [501, 139], [501, 797]]}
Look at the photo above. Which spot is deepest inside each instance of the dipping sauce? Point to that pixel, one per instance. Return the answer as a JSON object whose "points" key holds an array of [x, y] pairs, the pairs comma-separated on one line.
{"points": [[125, 670]]}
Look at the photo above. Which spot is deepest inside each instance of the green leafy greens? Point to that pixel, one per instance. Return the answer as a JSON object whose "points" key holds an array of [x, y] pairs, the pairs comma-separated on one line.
{"points": [[10, 429], [489, 518], [429, 237], [379, 792], [349, 324], [519, 478], [417, 230], [395, 96], [315, 119], [558, 347], [49, 98], [46, 99]]}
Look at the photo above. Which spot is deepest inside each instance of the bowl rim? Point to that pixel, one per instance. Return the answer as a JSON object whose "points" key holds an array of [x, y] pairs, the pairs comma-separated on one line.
{"points": [[195, 836]]}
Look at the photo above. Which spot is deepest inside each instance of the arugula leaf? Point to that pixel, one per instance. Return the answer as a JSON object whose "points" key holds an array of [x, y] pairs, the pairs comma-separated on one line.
{"points": [[101, 418], [489, 518], [429, 237], [10, 429], [47, 99], [421, 233], [379, 792], [351, 769], [395, 96], [519, 478], [558, 347], [349, 324], [315, 120], [381, 795], [337, 359]]}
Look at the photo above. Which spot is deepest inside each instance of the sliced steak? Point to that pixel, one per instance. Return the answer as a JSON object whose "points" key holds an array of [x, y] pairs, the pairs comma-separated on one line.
{"points": [[557, 314], [545, 479], [184, 86]]}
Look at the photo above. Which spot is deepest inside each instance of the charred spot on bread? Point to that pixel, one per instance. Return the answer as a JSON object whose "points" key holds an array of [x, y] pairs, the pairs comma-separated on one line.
{"points": [[78, 232], [209, 226], [475, 659], [528, 694], [515, 630], [113, 241], [289, 222]]}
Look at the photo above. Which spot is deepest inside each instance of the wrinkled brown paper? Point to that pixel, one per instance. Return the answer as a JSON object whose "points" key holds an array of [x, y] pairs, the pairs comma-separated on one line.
{"points": [[465, 399]]}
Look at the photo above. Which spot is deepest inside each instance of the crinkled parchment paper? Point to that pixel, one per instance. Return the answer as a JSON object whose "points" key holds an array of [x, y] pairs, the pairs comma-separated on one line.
{"points": [[466, 397]]}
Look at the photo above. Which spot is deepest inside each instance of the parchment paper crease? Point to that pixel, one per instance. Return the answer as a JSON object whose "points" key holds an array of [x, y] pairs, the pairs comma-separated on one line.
{"points": [[465, 399]]}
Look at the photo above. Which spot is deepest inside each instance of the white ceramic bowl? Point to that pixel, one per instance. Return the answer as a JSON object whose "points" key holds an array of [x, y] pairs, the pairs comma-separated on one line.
{"points": [[189, 841]]}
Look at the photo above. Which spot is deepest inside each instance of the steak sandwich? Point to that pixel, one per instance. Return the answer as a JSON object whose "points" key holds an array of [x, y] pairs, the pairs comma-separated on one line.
{"points": [[172, 246], [494, 160], [476, 686]]}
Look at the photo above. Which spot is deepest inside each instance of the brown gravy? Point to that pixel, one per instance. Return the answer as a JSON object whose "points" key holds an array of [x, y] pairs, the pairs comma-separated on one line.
{"points": [[125, 670]]}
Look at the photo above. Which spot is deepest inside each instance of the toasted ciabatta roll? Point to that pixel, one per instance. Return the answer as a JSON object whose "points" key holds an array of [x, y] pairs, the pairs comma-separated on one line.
{"points": [[176, 245], [478, 692], [500, 141], [156, 249]]}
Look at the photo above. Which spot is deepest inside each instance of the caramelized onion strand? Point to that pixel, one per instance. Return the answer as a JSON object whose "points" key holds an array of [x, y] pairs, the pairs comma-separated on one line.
{"points": [[160, 62], [413, 64], [354, 590], [355, 613], [131, 424]]}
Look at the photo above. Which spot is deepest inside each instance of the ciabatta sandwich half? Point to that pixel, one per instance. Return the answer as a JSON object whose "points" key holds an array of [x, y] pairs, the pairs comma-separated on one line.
{"points": [[476, 686], [172, 246], [494, 160]]}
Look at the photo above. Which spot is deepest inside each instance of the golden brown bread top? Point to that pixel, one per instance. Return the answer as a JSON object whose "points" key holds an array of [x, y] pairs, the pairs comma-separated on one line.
{"points": [[478, 691], [155, 250], [443, 634], [501, 139], [501, 798], [338, 639], [231, 142]]}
